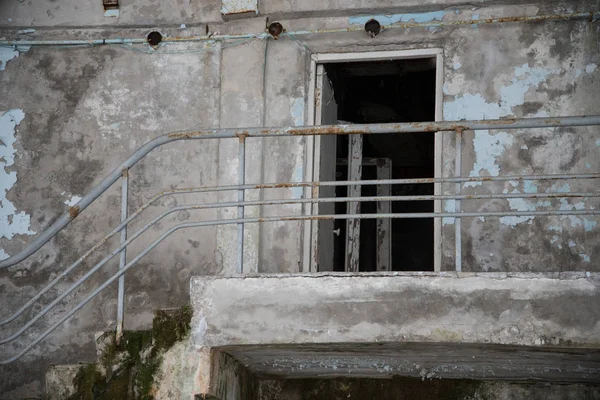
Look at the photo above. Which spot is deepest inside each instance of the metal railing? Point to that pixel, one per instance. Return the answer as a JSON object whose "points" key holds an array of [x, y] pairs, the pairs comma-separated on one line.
{"points": [[121, 172]]}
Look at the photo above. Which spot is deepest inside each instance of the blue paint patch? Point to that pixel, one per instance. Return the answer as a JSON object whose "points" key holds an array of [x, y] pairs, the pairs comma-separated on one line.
{"points": [[457, 66], [297, 111], [297, 177], [530, 187], [565, 188], [598, 142], [391, 19], [449, 207], [475, 107], [12, 222], [588, 225], [588, 165]]}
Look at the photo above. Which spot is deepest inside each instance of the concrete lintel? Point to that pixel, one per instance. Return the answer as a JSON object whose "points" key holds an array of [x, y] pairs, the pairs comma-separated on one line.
{"points": [[497, 308]]}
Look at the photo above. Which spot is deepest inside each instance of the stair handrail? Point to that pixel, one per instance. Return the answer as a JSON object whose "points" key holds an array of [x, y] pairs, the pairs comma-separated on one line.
{"points": [[222, 133]]}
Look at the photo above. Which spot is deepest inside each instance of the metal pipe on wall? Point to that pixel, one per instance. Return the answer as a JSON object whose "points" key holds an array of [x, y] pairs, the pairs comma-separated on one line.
{"points": [[590, 15]]}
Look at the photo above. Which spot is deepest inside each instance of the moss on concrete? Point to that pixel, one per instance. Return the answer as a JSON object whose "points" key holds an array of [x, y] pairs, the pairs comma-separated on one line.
{"points": [[127, 368]]}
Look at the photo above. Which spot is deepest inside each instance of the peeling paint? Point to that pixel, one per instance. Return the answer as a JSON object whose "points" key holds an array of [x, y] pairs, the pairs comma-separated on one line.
{"points": [[238, 6], [12, 222], [474, 107], [558, 188], [457, 66], [590, 68], [8, 53], [449, 206], [522, 204], [584, 257], [391, 19], [576, 221], [487, 148], [297, 177], [297, 111], [112, 13], [72, 201]]}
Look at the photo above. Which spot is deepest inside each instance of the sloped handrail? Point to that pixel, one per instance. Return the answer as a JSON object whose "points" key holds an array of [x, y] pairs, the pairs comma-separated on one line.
{"points": [[121, 172], [407, 127]]}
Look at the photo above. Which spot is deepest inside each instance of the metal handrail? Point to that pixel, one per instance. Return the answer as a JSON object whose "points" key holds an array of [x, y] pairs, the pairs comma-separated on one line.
{"points": [[156, 197], [409, 127], [155, 220], [261, 220], [122, 170]]}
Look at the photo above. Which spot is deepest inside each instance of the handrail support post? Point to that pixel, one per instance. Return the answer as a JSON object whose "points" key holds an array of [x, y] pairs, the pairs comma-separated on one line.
{"points": [[241, 193], [122, 255]]}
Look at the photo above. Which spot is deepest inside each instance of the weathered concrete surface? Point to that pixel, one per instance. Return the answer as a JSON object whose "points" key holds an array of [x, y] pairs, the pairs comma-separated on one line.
{"points": [[420, 360], [86, 109], [551, 72], [529, 310], [411, 389], [59, 381], [180, 375]]}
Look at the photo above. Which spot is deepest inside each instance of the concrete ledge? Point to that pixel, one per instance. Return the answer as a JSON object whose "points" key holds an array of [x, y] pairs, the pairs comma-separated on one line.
{"points": [[516, 309]]}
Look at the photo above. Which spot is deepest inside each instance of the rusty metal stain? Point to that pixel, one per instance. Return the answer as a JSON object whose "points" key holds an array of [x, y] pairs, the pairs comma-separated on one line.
{"points": [[110, 4], [275, 29], [188, 135], [125, 172], [325, 130], [284, 185], [232, 7], [74, 212]]}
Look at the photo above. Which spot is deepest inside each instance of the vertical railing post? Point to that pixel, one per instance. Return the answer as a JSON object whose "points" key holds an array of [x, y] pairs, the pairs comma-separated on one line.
{"points": [[457, 205], [240, 212], [122, 255]]}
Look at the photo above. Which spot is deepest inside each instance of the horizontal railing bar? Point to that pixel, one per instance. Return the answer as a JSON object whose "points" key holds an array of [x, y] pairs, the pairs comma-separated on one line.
{"points": [[283, 202], [408, 127], [275, 219]]}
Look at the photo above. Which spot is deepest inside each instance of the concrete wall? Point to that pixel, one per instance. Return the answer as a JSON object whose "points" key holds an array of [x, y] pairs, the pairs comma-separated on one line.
{"points": [[71, 114]]}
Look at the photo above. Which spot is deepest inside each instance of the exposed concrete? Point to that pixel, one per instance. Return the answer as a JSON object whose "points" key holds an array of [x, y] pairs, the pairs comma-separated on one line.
{"points": [[407, 389], [531, 310], [467, 326], [418, 360], [86, 109], [59, 381]]}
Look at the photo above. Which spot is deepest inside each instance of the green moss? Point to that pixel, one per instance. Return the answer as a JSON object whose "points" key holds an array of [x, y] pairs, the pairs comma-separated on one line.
{"points": [[131, 364], [170, 326], [88, 382]]}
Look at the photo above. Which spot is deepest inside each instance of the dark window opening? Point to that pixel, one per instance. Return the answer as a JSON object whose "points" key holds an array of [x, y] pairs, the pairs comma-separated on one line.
{"points": [[384, 92]]}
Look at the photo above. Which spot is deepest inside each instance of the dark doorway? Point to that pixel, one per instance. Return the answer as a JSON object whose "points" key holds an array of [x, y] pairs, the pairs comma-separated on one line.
{"points": [[384, 92]]}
